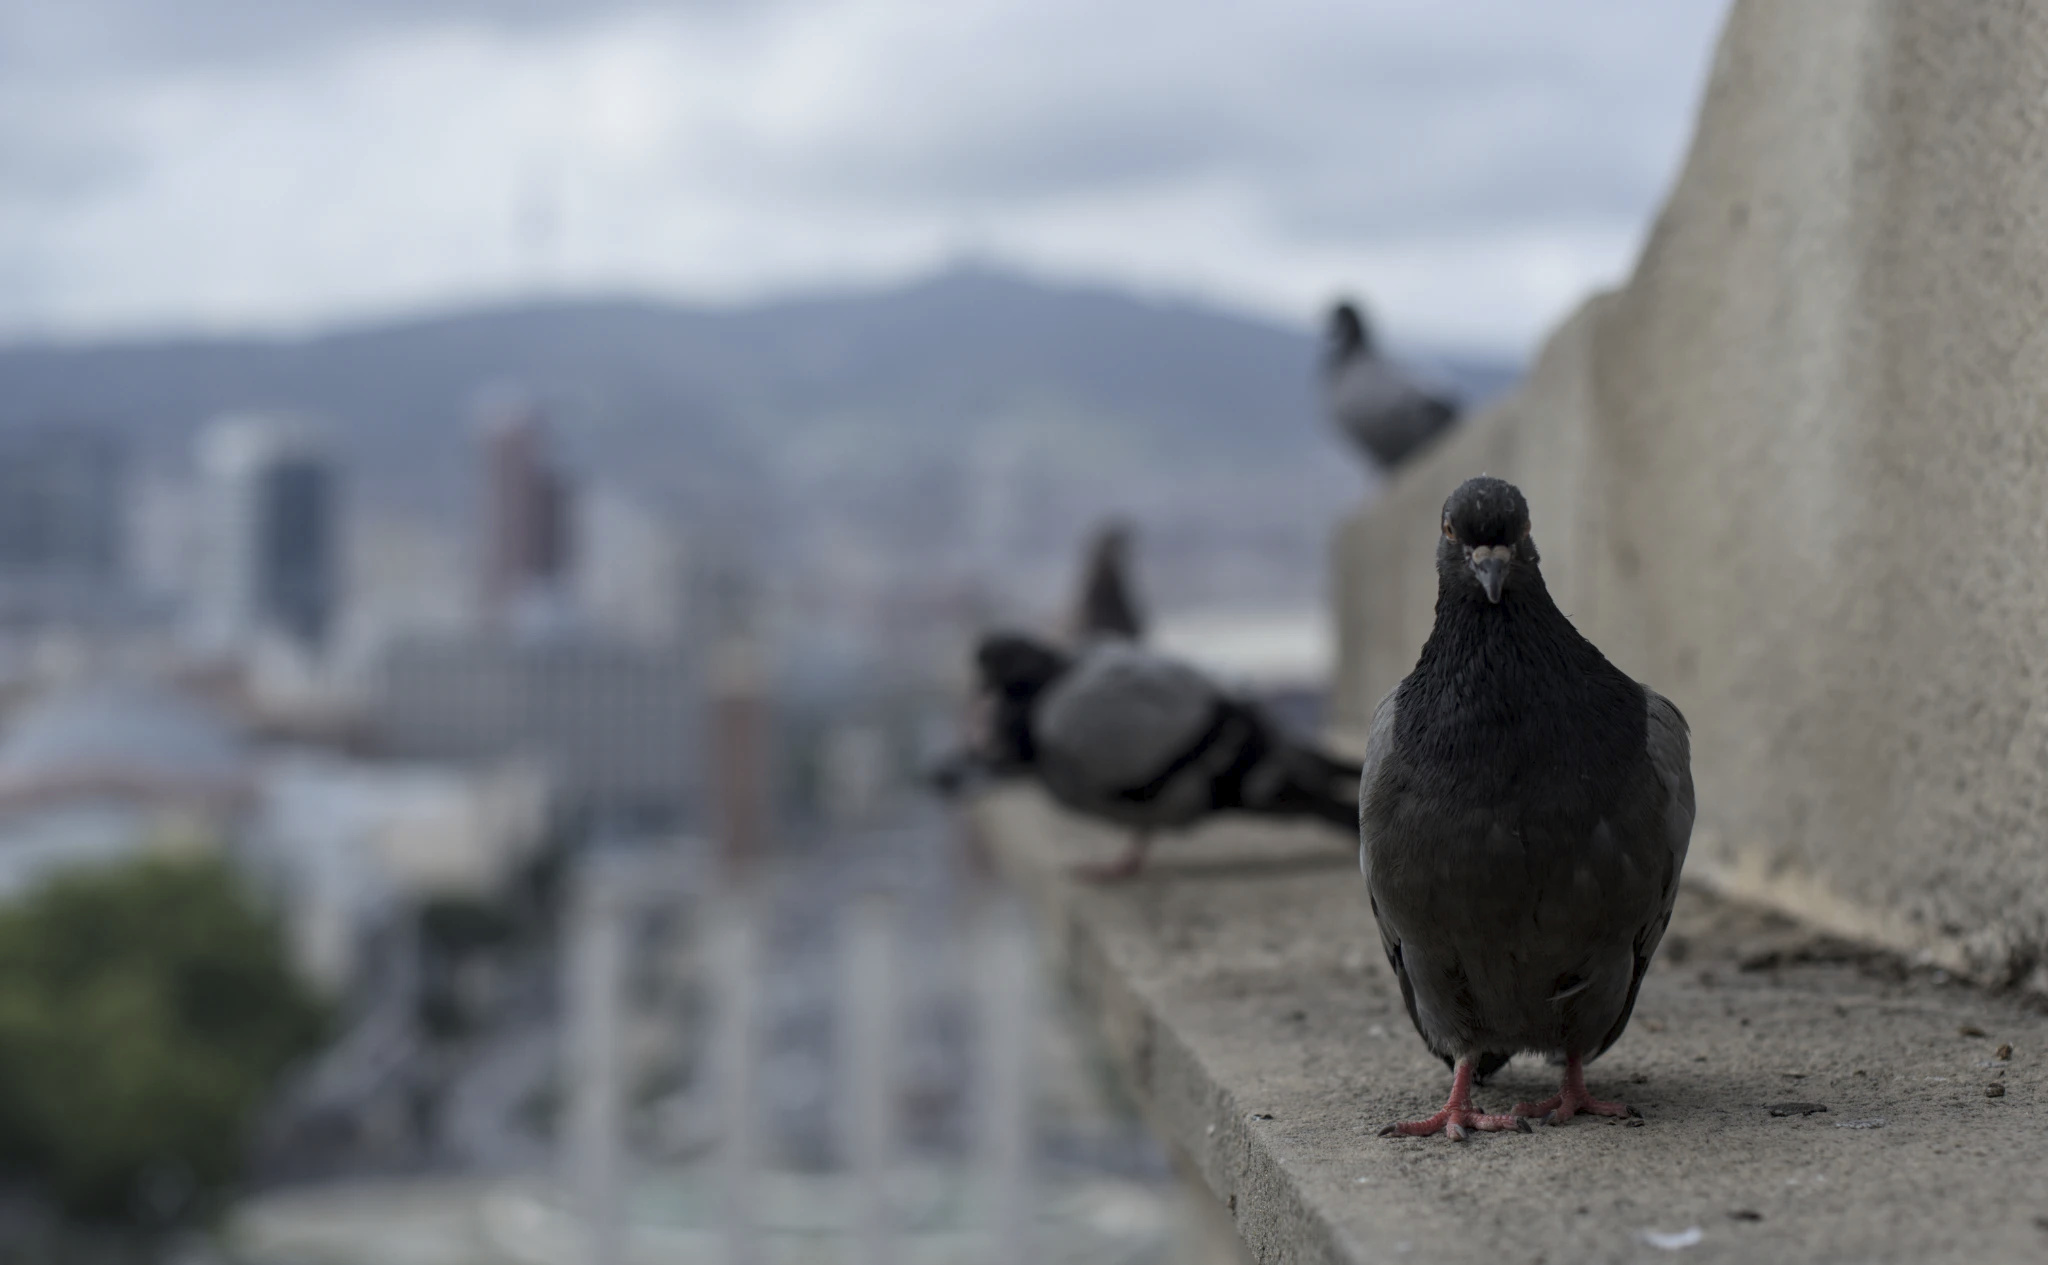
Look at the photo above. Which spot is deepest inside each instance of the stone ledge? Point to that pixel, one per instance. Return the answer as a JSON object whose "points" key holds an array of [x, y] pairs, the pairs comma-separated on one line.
{"points": [[1240, 989]]}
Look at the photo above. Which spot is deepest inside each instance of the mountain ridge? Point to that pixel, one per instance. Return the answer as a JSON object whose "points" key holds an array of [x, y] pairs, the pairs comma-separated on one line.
{"points": [[670, 396]]}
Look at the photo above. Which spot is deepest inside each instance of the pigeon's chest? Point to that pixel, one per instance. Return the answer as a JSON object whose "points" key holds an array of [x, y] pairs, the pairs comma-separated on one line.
{"points": [[1530, 760]]}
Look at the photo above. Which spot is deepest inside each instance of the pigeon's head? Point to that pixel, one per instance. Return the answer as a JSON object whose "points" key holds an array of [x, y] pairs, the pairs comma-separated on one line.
{"points": [[1017, 666], [1348, 332], [1485, 535], [1014, 669]]}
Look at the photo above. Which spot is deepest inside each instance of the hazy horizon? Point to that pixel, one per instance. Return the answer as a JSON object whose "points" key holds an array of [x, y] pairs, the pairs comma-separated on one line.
{"points": [[824, 290]]}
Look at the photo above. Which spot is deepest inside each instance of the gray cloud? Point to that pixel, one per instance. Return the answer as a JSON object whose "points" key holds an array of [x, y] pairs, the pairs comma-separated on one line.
{"points": [[39, 169], [248, 161], [1535, 112], [115, 36]]}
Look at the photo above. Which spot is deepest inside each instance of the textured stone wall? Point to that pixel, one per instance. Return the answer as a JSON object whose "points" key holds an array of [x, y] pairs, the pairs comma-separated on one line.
{"points": [[1795, 475]]}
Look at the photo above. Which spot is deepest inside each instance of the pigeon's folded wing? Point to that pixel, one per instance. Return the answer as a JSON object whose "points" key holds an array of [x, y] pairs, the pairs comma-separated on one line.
{"points": [[1379, 744], [1124, 718], [1670, 742], [1385, 408], [1670, 749]]}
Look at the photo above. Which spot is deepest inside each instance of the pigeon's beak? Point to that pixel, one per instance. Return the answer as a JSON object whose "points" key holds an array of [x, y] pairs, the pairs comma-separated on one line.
{"points": [[1490, 563]]}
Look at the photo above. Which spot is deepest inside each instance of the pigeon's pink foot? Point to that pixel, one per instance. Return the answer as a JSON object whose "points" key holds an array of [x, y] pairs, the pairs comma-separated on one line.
{"points": [[1459, 1116], [1125, 866], [1455, 1124], [1571, 1099]]}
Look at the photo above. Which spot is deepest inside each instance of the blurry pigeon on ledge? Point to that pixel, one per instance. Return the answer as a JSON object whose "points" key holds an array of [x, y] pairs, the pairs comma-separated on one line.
{"points": [[1524, 812], [1125, 735], [1107, 607], [1380, 406]]}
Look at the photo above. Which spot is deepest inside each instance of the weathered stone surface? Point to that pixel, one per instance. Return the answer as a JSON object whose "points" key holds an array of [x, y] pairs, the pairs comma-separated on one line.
{"points": [[1795, 474], [1243, 995]]}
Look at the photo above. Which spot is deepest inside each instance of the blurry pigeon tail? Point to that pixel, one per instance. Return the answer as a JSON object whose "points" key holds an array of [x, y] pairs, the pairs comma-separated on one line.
{"points": [[1293, 780], [1107, 606]]}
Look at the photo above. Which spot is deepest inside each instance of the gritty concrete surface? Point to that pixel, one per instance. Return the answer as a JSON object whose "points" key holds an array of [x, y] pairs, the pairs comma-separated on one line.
{"points": [[1240, 986], [1793, 474]]}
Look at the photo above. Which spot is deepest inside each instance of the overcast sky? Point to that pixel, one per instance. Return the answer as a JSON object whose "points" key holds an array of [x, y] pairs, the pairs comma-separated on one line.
{"points": [[1472, 167]]}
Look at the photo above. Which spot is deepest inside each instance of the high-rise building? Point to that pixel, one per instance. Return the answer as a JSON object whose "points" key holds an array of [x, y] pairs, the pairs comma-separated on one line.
{"points": [[614, 726], [268, 501], [527, 510], [61, 499]]}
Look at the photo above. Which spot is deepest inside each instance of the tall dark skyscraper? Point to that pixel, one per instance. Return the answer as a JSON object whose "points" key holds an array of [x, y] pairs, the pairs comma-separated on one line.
{"points": [[296, 564], [271, 562], [527, 509]]}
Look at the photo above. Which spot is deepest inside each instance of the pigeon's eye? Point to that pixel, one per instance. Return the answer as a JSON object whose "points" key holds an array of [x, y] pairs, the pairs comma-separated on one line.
{"points": [[1448, 533]]}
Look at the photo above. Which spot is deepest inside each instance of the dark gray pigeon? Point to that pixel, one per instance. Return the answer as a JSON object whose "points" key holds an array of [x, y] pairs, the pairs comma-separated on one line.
{"points": [[1381, 407], [1107, 606], [1130, 736], [1523, 815]]}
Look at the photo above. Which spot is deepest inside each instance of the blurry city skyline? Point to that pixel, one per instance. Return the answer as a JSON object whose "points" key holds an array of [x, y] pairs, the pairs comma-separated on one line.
{"points": [[231, 165], [498, 499]]}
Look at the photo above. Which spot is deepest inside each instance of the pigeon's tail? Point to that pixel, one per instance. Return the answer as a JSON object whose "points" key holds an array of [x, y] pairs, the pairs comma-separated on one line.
{"points": [[1305, 782]]}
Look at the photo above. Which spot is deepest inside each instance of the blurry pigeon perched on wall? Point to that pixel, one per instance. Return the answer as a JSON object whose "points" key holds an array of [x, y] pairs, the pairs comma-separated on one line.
{"points": [[1126, 735], [1380, 406], [1524, 813], [1107, 606]]}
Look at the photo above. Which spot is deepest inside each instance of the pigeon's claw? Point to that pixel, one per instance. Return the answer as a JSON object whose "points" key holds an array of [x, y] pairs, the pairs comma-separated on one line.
{"points": [[1455, 1123], [1559, 1108], [1572, 1099]]}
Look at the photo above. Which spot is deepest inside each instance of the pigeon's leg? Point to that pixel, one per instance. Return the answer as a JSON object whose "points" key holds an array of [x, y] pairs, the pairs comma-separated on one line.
{"points": [[1572, 1099], [1458, 1114], [1125, 866]]}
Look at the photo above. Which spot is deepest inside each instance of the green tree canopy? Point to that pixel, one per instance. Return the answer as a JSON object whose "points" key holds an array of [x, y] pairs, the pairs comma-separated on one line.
{"points": [[147, 1009]]}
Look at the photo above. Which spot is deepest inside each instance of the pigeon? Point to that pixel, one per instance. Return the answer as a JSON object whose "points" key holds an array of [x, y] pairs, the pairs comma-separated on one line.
{"points": [[1524, 811], [1107, 607], [1130, 736], [1384, 409]]}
